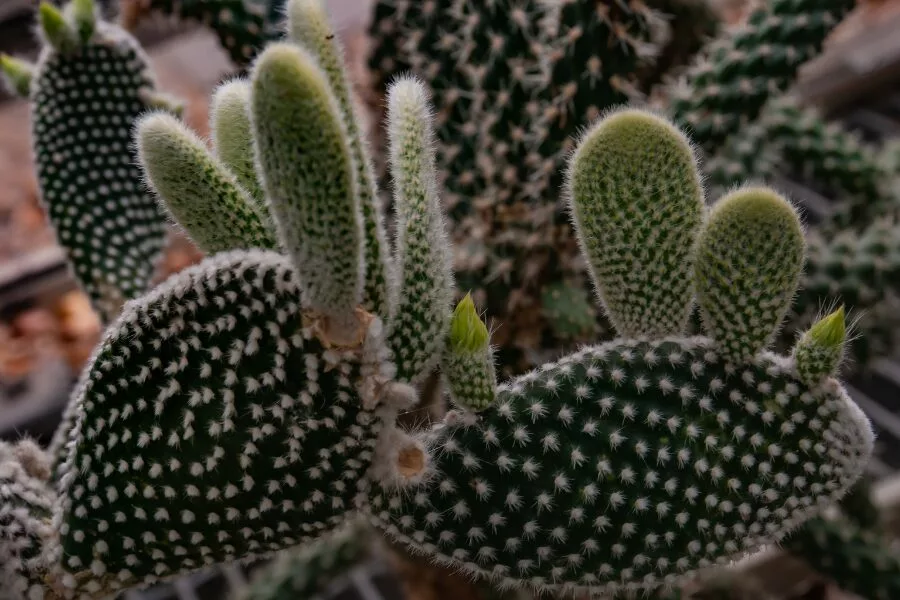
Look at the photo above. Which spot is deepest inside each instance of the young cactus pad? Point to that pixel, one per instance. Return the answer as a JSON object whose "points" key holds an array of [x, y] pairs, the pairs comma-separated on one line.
{"points": [[89, 87], [637, 204], [629, 464]]}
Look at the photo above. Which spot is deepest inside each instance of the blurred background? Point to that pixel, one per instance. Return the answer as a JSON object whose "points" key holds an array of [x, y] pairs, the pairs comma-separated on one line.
{"points": [[48, 328]]}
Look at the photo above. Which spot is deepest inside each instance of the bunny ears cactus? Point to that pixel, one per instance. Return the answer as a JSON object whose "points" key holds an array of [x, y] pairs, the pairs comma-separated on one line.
{"points": [[90, 85], [249, 404], [626, 465]]}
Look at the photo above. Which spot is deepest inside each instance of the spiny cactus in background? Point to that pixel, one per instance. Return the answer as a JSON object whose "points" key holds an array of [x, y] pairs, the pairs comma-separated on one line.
{"points": [[735, 75], [860, 270], [91, 84], [25, 514], [242, 26], [792, 141], [850, 548], [305, 572], [509, 101], [568, 309], [631, 464]]}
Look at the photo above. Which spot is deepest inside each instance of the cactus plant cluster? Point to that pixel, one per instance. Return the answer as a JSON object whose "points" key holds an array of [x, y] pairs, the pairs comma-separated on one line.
{"points": [[249, 404], [516, 249]]}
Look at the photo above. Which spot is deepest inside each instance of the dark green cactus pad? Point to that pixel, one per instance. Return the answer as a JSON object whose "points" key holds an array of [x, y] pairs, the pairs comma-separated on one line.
{"points": [[659, 457], [732, 77], [212, 425], [85, 103]]}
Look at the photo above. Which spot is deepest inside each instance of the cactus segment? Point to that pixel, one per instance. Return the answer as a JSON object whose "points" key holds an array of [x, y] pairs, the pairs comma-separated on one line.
{"points": [[425, 290], [309, 178], [201, 194], [749, 260], [637, 204]]}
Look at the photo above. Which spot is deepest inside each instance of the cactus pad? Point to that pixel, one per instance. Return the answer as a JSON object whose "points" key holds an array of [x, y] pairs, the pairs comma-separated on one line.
{"points": [[627, 463], [85, 104], [238, 435]]}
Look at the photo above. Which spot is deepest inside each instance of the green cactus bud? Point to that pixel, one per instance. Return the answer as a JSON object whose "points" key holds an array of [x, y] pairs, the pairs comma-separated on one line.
{"points": [[308, 25], [422, 313], [637, 204], [200, 193], [233, 138], [468, 363], [309, 178], [84, 17], [749, 259], [17, 74], [214, 426], [56, 30], [85, 105], [628, 465], [819, 351]]}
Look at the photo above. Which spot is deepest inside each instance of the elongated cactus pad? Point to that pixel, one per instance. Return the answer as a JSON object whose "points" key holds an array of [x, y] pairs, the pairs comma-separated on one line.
{"points": [[627, 463], [422, 311], [309, 177], [232, 134], [212, 426], [85, 101], [199, 191], [637, 204]]}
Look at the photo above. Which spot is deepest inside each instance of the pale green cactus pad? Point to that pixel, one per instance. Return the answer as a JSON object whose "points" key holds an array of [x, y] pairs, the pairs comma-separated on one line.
{"points": [[238, 435], [88, 90]]}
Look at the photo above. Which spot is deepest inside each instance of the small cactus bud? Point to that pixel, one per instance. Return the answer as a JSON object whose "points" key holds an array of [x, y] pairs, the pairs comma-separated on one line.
{"points": [[468, 360], [57, 31], [17, 74], [84, 17], [819, 351]]}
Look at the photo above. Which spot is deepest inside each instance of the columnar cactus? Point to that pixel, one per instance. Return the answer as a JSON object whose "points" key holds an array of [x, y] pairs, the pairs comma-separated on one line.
{"points": [[732, 78], [793, 141], [87, 90], [629, 464]]}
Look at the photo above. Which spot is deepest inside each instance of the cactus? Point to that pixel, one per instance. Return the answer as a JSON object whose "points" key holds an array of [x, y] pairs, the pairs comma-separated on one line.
{"points": [[629, 464], [88, 88], [242, 26], [25, 512], [733, 77], [305, 572], [569, 311], [793, 141], [250, 404], [507, 125]]}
